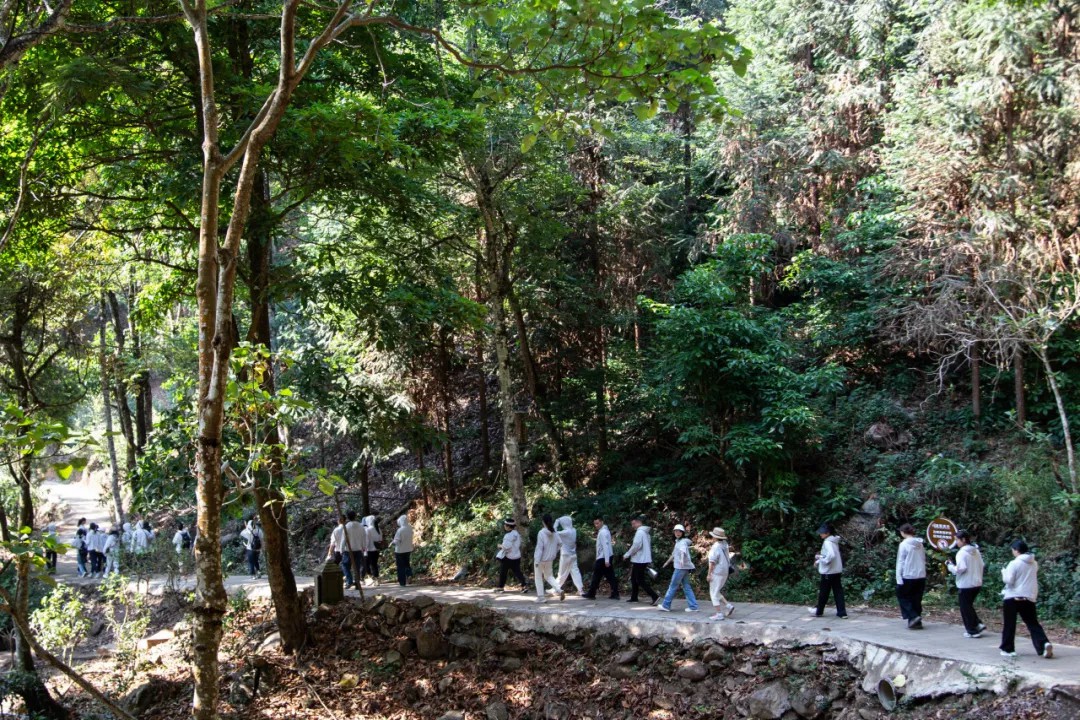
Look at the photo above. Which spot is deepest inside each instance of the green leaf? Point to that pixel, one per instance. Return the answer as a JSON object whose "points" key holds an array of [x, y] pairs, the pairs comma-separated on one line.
{"points": [[528, 142]]}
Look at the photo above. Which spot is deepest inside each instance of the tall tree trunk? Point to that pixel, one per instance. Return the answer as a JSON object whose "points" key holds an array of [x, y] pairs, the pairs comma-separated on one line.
{"points": [[481, 390], [110, 441], [144, 408], [976, 381], [120, 387], [511, 452], [446, 403], [1018, 387], [538, 392], [270, 500], [1063, 416], [365, 487]]}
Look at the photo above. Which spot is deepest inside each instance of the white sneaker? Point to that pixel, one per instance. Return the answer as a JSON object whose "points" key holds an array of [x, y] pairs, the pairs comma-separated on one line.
{"points": [[731, 608], [1048, 651], [1007, 654], [690, 610], [973, 635], [661, 608], [813, 611], [717, 616], [541, 599]]}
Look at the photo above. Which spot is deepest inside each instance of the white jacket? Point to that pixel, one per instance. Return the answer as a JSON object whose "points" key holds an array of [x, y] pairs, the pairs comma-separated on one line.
{"points": [[640, 551], [355, 537], [829, 561], [604, 550], [125, 537], [681, 554], [248, 535], [547, 546], [910, 560], [140, 541], [567, 536], [373, 534], [968, 567], [1021, 578], [337, 539], [403, 538], [112, 543], [719, 558], [510, 548]]}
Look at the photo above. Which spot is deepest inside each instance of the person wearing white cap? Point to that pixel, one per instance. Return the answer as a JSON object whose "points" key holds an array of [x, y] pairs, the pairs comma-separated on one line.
{"points": [[719, 567], [547, 547], [509, 556], [568, 565], [681, 577]]}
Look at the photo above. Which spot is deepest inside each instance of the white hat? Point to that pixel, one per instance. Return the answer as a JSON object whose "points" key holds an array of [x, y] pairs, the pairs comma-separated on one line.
{"points": [[718, 533], [680, 528]]}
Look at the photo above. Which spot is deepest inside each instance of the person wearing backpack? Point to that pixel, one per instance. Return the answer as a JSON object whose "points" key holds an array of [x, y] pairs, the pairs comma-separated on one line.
{"points": [[82, 552], [181, 539], [252, 536]]}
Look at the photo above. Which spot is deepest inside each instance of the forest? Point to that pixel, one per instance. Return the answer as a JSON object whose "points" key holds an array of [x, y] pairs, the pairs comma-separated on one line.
{"points": [[758, 264]]}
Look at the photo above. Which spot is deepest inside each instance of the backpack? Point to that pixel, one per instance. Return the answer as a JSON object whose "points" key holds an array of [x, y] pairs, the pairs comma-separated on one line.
{"points": [[185, 540], [256, 540]]}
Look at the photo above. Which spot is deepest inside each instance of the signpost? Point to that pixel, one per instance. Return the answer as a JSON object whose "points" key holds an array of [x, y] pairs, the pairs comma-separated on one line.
{"points": [[941, 533]]}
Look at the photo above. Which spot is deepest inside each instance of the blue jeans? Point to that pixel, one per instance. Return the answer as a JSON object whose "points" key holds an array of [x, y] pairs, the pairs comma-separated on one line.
{"points": [[80, 559], [346, 568], [681, 577]]}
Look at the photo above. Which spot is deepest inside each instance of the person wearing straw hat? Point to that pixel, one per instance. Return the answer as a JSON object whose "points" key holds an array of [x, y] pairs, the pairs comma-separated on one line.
{"points": [[680, 556], [509, 556], [719, 568]]}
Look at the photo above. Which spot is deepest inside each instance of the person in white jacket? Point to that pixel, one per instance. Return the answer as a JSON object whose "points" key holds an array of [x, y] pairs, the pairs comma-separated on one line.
{"points": [[140, 539], [95, 541], [604, 567], [403, 547], [719, 569], [1021, 578], [547, 547], [355, 543], [111, 550], [830, 568], [680, 557], [968, 570], [640, 557], [910, 576], [371, 550], [252, 537], [509, 556], [568, 564]]}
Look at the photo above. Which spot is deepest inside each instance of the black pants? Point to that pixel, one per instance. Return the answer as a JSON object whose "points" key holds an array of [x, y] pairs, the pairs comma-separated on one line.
{"points": [[827, 583], [639, 580], [252, 557], [50, 559], [603, 571], [910, 596], [1026, 610], [97, 562], [357, 560], [371, 563], [404, 568], [966, 597], [506, 565]]}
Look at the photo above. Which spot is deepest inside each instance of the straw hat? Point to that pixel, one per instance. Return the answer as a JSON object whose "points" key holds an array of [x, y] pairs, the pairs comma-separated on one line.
{"points": [[718, 533]]}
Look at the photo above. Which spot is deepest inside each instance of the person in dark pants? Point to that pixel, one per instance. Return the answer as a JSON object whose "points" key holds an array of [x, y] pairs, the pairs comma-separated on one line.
{"points": [[968, 570], [403, 547], [1021, 578], [371, 554], [509, 556], [603, 569], [640, 556], [910, 576], [831, 568], [355, 547], [252, 538], [50, 555]]}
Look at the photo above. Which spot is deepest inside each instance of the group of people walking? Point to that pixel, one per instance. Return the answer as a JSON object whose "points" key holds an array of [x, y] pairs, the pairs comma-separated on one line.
{"points": [[558, 539], [98, 551], [355, 545], [1019, 577]]}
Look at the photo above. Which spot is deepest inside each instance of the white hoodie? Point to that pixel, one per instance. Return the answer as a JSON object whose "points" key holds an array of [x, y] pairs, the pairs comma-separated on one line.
{"points": [[640, 551], [140, 540], [681, 554], [567, 536], [547, 546], [719, 558], [1021, 578], [910, 560], [510, 548], [125, 537], [403, 538], [604, 550], [373, 534], [111, 544], [968, 568], [829, 561]]}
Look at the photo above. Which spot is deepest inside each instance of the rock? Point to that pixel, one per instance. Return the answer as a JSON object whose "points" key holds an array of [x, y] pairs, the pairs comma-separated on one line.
{"points": [[556, 711], [97, 628], [430, 644], [770, 702], [747, 668], [871, 507], [374, 602], [466, 642], [627, 657], [107, 651], [620, 672], [411, 614], [455, 615], [714, 653], [240, 694], [499, 636], [147, 695], [422, 601], [269, 643], [867, 714], [323, 612], [510, 649], [884, 436], [803, 665], [390, 612], [693, 670], [654, 642], [159, 638], [510, 663], [810, 702], [393, 657], [497, 711], [406, 646], [452, 715]]}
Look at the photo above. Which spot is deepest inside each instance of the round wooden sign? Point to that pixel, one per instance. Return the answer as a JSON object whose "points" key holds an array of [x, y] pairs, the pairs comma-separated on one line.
{"points": [[941, 533]]}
